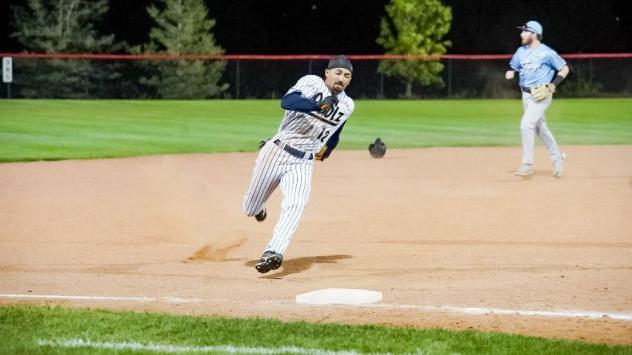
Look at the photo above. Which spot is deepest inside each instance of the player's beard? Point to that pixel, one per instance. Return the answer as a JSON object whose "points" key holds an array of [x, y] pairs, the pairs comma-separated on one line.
{"points": [[337, 88], [527, 40]]}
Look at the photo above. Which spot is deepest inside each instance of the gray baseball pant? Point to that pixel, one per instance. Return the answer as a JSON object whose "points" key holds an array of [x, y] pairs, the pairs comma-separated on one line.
{"points": [[533, 122]]}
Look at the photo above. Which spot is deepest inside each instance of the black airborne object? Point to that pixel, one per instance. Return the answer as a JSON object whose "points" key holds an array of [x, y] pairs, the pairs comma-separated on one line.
{"points": [[261, 216], [377, 149]]}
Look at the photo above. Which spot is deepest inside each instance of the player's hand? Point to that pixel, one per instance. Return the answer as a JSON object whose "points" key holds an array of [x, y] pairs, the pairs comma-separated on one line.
{"points": [[321, 155], [510, 74], [328, 103], [542, 91]]}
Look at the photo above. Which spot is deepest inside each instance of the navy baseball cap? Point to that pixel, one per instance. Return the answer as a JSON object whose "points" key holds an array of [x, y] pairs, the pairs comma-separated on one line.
{"points": [[340, 61], [532, 26]]}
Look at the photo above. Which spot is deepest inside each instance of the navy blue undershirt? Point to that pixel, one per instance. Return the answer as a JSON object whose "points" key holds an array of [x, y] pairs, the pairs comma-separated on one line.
{"points": [[295, 102], [333, 141]]}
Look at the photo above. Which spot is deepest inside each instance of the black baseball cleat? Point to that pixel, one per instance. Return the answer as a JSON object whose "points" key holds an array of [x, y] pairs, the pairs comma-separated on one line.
{"points": [[270, 260], [261, 216]]}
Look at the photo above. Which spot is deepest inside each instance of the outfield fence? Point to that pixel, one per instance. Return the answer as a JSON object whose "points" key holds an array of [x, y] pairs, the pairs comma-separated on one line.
{"points": [[269, 76]]}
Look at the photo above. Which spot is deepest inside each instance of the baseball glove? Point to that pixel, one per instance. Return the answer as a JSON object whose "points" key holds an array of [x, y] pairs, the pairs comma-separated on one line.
{"points": [[327, 103], [542, 91], [377, 149]]}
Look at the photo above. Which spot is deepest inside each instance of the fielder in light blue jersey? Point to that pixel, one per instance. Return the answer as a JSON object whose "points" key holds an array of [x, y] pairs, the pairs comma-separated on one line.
{"points": [[541, 70]]}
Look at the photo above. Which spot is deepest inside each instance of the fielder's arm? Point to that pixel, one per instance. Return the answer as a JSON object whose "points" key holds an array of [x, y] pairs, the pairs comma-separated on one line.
{"points": [[542, 91], [561, 75], [515, 66]]}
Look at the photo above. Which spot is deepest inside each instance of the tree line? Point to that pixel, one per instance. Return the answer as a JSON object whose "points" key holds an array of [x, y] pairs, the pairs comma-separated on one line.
{"points": [[185, 27]]}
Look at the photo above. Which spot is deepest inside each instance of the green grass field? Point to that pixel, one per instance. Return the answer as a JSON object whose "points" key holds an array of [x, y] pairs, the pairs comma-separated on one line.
{"points": [[65, 129], [43, 330]]}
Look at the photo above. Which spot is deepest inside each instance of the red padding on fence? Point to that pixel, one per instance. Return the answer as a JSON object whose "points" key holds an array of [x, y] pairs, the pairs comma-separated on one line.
{"points": [[296, 56]]}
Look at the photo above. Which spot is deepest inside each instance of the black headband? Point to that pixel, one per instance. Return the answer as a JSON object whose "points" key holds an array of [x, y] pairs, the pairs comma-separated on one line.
{"points": [[340, 61]]}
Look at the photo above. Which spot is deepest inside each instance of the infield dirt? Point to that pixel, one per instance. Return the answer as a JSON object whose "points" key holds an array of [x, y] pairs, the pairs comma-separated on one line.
{"points": [[439, 226]]}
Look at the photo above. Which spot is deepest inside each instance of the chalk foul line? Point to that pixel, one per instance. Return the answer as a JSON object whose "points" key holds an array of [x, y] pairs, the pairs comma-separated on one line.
{"points": [[428, 308], [627, 316], [101, 298], [503, 311], [225, 349]]}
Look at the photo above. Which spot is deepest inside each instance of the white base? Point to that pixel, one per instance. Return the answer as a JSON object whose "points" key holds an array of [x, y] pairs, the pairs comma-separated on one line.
{"points": [[339, 296]]}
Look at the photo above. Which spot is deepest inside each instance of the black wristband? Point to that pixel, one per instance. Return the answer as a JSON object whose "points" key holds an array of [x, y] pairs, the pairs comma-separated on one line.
{"points": [[558, 80]]}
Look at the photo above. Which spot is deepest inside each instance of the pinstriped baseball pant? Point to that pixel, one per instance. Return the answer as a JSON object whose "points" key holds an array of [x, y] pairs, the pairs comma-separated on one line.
{"points": [[532, 123], [275, 167]]}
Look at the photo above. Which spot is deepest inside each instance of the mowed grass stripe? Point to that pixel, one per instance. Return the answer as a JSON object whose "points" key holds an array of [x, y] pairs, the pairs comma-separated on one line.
{"points": [[82, 129], [22, 327]]}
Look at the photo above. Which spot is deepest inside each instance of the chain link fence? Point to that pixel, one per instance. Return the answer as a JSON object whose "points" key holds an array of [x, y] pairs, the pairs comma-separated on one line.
{"points": [[261, 78]]}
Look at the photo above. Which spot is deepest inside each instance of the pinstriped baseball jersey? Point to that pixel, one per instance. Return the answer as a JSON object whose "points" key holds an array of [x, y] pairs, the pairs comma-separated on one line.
{"points": [[309, 131]]}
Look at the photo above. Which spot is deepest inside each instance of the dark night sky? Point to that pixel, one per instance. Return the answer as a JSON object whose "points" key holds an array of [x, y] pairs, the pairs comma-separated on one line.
{"points": [[329, 27]]}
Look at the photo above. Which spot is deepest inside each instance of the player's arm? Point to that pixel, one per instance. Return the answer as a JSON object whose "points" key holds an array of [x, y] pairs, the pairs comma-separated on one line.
{"points": [[561, 75], [330, 145], [559, 64], [543, 91], [514, 64], [295, 101]]}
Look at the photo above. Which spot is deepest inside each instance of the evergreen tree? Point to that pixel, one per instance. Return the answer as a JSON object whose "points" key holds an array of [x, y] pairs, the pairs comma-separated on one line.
{"points": [[415, 27], [61, 26], [182, 27]]}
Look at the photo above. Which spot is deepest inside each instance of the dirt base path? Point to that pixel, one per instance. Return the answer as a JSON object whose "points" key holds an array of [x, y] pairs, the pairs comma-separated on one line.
{"points": [[427, 227]]}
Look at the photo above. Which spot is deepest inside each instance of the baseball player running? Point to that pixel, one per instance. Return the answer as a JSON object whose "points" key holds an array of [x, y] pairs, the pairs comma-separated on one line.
{"points": [[315, 113], [541, 71]]}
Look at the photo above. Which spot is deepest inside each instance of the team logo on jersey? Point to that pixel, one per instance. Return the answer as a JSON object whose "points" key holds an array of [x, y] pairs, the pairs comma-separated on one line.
{"points": [[332, 116], [530, 66]]}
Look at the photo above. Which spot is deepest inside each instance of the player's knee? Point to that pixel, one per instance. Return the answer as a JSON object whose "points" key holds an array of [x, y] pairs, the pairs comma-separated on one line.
{"points": [[296, 205], [527, 126]]}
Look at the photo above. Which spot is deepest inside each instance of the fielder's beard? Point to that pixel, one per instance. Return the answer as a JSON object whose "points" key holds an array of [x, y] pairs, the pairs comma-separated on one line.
{"points": [[527, 40]]}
